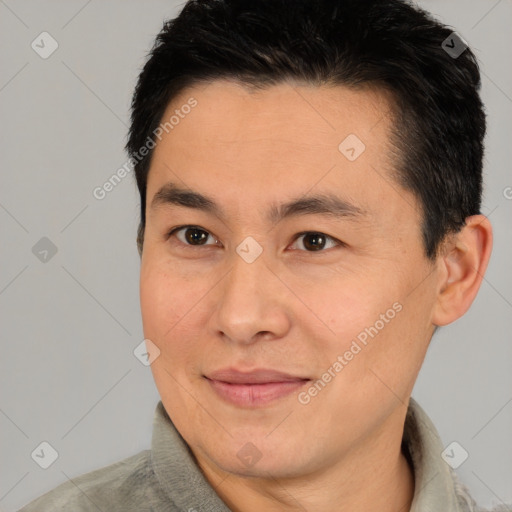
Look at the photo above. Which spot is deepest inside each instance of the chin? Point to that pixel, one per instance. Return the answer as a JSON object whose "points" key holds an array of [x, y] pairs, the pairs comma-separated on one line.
{"points": [[269, 468], [259, 458]]}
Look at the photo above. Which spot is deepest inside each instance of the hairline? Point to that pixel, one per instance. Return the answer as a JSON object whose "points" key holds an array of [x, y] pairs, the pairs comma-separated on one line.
{"points": [[254, 83]]}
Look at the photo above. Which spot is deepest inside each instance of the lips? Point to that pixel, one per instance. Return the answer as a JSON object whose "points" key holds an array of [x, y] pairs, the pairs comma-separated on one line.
{"points": [[257, 388], [259, 376]]}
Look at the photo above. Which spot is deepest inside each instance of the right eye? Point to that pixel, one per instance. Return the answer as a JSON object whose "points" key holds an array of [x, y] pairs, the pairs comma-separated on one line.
{"points": [[192, 236]]}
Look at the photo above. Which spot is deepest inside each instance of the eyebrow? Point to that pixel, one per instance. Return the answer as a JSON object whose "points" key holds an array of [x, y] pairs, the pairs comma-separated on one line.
{"points": [[318, 204]]}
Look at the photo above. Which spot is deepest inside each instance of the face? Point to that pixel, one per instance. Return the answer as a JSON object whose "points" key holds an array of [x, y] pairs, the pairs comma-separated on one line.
{"points": [[303, 257]]}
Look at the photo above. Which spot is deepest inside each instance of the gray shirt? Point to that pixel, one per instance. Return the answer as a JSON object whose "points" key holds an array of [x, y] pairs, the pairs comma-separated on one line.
{"points": [[167, 478]]}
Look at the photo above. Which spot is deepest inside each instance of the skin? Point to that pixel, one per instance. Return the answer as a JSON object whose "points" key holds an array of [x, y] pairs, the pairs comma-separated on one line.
{"points": [[295, 309]]}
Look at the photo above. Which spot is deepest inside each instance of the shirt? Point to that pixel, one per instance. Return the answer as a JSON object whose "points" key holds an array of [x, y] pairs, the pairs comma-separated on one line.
{"points": [[166, 478]]}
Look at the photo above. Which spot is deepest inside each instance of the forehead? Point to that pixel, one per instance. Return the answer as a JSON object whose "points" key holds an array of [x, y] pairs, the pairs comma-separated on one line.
{"points": [[297, 114], [284, 140]]}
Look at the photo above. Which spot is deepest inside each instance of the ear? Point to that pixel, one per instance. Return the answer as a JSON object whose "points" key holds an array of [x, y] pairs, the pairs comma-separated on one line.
{"points": [[462, 267]]}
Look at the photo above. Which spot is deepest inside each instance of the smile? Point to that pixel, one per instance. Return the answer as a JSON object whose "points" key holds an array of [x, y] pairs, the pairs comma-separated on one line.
{"points": [[254, 395]]}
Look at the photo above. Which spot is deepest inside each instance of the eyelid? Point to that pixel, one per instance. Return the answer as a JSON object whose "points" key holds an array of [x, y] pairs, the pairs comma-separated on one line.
{"points": [[172, 231], [338, 242]]}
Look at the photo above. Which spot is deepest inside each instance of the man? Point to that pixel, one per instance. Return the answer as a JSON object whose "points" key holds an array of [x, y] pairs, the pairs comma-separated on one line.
{"points": [[310, 176]]}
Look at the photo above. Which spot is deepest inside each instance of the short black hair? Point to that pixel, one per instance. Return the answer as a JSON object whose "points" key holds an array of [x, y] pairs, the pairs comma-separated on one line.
{"points": [[392, 45]]}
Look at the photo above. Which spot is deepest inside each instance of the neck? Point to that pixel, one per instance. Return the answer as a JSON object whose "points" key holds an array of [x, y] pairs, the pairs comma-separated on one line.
{"points": [[374, 476]]}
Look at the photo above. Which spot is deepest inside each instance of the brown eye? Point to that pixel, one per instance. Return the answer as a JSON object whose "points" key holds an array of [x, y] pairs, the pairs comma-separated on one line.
{"points": [[195, 236], [313, 241], [192, 236]]}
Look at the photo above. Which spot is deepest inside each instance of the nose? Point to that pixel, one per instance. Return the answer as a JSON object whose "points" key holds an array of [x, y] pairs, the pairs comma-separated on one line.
{"points": [[252, 303]]}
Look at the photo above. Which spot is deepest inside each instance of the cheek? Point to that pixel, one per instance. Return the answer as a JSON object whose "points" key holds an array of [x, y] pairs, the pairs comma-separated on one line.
{"points": [[344, 306], [369, 317], [174, 307], [393, 354], [167, 305], [164, 300]]}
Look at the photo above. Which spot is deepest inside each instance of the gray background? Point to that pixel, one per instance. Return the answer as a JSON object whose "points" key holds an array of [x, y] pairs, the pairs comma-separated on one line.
{"points": [[70, 324]]}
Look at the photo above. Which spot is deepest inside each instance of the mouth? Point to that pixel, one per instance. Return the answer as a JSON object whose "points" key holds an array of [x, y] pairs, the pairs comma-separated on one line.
{"points": [[253, 389]]}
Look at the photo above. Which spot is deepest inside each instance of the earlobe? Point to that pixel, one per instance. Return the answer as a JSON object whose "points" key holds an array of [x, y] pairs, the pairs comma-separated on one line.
{"points": [[463, 266]]}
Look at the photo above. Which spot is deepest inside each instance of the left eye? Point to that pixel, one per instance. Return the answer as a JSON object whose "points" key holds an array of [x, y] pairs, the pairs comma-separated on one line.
{"points": [[313, 241]]}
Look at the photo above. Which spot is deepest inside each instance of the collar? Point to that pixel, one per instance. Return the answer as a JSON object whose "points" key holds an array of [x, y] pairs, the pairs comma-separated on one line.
{"points": [[433, 478], [184, 484]]}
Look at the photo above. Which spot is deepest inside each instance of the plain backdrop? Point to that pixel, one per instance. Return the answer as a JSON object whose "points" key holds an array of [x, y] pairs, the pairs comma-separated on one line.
{"points": [[69, 299]]}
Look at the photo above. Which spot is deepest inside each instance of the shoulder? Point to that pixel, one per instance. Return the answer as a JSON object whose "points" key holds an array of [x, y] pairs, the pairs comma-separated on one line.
{"points": [[119, 486], [468, 504]]}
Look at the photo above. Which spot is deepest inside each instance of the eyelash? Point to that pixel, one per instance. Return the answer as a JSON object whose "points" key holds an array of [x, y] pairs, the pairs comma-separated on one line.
{"points": [[173, 231]]}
